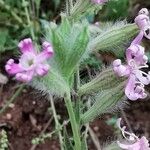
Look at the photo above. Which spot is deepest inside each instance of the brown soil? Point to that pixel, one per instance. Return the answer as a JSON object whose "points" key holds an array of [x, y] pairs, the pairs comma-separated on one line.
{"points": [[29, 116]]}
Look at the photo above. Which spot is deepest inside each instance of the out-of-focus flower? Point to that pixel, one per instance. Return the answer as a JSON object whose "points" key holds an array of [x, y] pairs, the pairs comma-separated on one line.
{"points": [[132, 141], [99, 1], [143, 22], [30, 63], [136, 60]]}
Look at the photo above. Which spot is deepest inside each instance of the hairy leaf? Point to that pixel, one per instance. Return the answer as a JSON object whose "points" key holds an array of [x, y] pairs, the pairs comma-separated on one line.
{"points": [[113, 39], [105, 80], [105, 101]]}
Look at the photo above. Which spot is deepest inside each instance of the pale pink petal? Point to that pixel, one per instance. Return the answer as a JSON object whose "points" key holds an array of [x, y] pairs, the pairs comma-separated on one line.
{"points": [[142, 21], [142, 77], [46, 53], [26, 45], [144, 11], [137, 53], [25, 76], [123, 146], [133, 90], [144, 144], [42, 69], [13, 68], [138, 38], [120, 70]]}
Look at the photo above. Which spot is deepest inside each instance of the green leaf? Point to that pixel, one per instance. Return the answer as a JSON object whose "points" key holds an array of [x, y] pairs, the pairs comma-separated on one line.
{"points": [[105, 80], [52, 83], [114, 38], [105, 101], [76, 52]]}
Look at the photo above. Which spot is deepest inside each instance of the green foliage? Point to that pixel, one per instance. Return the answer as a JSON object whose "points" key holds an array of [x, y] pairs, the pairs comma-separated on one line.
{"points": [[3, 140], [105, 101]]}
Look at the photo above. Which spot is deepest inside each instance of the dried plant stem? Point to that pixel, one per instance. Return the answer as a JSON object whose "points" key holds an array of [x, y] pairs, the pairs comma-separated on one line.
{"points": [[57, 124], [95, 139], [42, 132], [12, 98], [74, 125]]}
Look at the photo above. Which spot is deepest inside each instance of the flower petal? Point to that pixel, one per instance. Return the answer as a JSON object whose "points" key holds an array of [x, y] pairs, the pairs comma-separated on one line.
{"points": [[25, 76], [137, 53], [26, 45], [123, 146], [134, 91], [120, 70], [142, 21], [142, 77], [46, 53], [138, 38], [42, 69], [13, 68]]}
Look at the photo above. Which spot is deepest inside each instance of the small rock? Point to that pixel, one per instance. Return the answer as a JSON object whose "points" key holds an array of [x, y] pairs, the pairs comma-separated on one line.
{"points": [[8, 116], [11, 105]]}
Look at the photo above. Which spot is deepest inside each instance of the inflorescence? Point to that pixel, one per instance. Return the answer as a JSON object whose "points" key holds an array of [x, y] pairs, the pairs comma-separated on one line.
{"points": [[136, 60]]}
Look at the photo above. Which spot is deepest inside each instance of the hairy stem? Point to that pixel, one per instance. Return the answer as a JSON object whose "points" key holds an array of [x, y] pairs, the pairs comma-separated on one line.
{"points": [[57, 124], [74, 125]]}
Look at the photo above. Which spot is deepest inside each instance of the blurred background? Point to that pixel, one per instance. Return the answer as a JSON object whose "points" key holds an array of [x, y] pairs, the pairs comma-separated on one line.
{"points": [[20, 19]]}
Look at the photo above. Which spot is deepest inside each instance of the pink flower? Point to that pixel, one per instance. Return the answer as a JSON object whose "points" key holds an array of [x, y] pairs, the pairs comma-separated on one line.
{"points": [[30, 63], [99, 1], [143, 22], [133, 142], [136, 60]]}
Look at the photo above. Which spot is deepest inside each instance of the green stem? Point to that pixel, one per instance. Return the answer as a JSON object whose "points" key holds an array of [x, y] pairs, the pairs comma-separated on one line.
{"points": [[28, 19], [74, 125], [57, 124], [12, 99]]}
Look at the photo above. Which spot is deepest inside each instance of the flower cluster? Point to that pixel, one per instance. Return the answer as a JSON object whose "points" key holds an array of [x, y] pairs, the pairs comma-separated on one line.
{"points": [[133, 142], [30, 63], [136, 60]]}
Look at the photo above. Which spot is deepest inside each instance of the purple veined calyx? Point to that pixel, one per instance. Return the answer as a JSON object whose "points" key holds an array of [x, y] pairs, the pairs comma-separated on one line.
{"points": [[31, 63]]}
